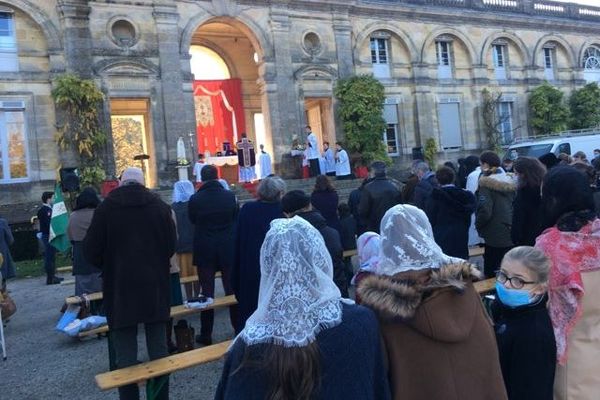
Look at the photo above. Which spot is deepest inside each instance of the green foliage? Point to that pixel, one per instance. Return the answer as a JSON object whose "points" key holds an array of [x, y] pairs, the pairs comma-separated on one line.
{"points": [[585, 107], [361, 101], [430, 151], [547, 110], [491, 120], [79, 100]]}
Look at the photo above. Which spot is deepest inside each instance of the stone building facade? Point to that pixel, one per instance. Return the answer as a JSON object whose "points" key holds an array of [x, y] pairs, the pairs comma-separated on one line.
{"points": [[434, 58]]}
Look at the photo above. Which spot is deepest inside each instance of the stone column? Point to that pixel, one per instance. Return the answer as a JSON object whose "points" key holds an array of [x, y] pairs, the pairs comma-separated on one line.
{"points": [[343, 43], [176, 116], [280, 86], [74, 16]]}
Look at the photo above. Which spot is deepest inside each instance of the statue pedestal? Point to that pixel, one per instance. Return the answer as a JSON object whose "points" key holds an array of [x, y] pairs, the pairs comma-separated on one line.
{"points": [[182, 171]]}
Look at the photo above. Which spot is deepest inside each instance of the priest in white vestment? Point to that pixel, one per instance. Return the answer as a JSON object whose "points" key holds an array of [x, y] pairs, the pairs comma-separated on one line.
{"points": [[264, 163], [342, 166], [328, 160], [313, 155]]}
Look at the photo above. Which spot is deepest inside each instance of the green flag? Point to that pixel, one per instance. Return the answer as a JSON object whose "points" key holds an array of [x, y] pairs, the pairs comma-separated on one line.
{"points": [[59, 222]]}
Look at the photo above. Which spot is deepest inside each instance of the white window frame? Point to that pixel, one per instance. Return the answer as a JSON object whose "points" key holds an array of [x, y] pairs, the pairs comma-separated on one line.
{"points": [[392, 124], [5, 107], [499, 53], [591, 64], [504, 133], [549, 54], [9, 61], [380, 59], [444, 63]]}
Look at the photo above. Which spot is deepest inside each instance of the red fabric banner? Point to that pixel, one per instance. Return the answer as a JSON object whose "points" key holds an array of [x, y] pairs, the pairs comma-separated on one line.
{"points": [[218, 104]]}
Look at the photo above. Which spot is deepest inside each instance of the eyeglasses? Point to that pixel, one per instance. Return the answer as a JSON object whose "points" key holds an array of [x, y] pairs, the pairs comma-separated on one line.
{"points": [[515, 281]]}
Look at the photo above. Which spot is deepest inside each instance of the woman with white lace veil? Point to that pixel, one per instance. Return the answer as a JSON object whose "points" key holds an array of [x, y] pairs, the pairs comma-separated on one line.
{"points": [[438, 338], [303, 341]]}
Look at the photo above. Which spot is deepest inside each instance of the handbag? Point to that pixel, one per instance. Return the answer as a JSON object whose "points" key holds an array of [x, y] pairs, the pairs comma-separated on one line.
{"points": [[7, 305]]}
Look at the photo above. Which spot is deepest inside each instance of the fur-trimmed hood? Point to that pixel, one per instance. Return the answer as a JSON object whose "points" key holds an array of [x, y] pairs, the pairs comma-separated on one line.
{"points": [[499, 182], [438, 305]]}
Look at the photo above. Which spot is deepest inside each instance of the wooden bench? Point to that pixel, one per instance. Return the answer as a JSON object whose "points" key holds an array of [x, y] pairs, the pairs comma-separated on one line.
{"points": [[476, 251], [187, 279], [65, 269], [176, 312], [98, 295], [152, 369], [485, 286]]}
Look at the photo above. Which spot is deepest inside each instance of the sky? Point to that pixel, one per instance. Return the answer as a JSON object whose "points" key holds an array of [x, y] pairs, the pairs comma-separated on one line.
{"points": [[584, 2]]}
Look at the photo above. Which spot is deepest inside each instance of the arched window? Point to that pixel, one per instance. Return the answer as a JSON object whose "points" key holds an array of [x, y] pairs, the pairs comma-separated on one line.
{"points": [[591, 64]]}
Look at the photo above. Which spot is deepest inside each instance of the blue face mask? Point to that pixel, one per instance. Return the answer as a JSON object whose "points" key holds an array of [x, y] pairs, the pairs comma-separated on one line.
{"points": [[514, 297]]}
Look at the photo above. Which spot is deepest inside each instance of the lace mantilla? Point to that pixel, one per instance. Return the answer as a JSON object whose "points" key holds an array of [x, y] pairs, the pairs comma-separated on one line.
{"points": [[297, 297], [407, 242]]}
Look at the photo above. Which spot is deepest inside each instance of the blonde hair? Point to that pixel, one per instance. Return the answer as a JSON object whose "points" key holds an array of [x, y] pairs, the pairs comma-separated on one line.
{"points": [[533, 259]]}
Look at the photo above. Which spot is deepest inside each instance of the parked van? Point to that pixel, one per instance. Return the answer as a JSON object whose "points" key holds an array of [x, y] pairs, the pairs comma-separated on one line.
{"points": [[568, 142]]}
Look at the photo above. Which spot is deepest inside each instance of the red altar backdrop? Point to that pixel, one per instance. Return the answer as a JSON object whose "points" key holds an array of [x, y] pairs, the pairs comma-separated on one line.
{"points": [[219, 108]]}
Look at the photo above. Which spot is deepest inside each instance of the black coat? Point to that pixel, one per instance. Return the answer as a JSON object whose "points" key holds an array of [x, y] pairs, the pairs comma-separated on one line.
{"points": [[527, 217], [326, 202], [350, 360], [423, 190], [254, 221], [449, 210], [353, 203], [185, 229], [348, 232], [131, 239], [334, 246], [44, 216], [527, 350], [213, 211], [377, 197]]}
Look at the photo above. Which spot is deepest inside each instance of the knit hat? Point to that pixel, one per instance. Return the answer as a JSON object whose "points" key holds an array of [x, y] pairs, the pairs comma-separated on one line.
{"points": [[294, 200], [132, 175]]}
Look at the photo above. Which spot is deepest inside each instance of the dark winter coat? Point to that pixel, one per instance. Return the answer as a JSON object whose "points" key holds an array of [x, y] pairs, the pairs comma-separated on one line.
{"points": [[334, 246], [350, 360], [449, 210], [377, 197], [213, 211], [44, 216], [131, 239], [438, 338], [353, 203], [348, 232], [527, 350], [7, 267], [527, 217], [493, 218], [185, 228], [327, 203], [254, 221], [423, 190]]}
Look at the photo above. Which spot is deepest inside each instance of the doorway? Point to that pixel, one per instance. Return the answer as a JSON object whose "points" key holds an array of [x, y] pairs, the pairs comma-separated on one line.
{"points": [[132, 137], [319, 116]]}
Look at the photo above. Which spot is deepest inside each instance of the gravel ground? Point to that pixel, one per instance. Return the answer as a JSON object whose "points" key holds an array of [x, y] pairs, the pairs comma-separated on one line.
{"points": [[45, 364]]}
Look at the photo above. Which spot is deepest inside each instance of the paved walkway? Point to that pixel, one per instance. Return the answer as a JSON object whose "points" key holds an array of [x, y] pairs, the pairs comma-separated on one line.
{"points": [[46, 364]]}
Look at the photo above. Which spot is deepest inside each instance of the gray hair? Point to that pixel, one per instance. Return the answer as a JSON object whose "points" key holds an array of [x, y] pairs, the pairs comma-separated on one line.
{"points": [[533, 259], [421, 166], [271, 188]]}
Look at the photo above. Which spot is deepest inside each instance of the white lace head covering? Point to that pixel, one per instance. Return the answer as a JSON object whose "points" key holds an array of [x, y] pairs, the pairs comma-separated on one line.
{"points": [[369, 247], [297, 297], [407, 242], [182, 191]]}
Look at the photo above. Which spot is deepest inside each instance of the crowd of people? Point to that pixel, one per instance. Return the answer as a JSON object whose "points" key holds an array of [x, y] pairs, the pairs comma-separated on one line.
{"points": [[417, 328]]}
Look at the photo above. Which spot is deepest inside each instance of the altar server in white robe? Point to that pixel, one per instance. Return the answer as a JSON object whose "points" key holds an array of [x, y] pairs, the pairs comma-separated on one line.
{"points": [[264, 163], [313, 155], [328, 160], [342, 166]]}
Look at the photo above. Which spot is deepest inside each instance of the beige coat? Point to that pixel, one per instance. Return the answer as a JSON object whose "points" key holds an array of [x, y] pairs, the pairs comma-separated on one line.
{"points": [[579, 378]]}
